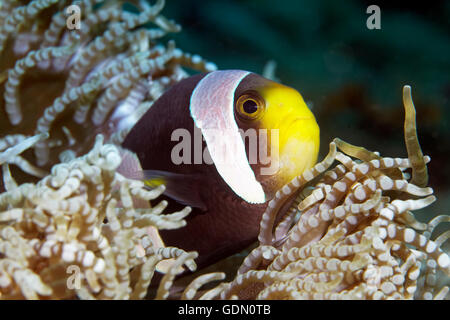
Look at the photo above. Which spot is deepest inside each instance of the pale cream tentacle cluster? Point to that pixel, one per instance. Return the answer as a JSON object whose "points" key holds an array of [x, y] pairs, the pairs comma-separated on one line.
{"points": [[350, 232], [83, 230], [101, 76], [77, 233]]}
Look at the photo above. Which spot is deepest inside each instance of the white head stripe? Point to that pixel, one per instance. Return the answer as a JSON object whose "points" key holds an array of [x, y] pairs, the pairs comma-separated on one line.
{"points": [[212, 108]]}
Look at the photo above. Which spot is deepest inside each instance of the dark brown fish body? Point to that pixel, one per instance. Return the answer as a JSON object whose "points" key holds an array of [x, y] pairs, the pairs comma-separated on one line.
{"points": [[220, 230], [225, 223]]}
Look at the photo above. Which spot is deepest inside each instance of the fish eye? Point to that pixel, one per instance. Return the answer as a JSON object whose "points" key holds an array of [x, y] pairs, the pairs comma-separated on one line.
{"points": [[250, 106]]}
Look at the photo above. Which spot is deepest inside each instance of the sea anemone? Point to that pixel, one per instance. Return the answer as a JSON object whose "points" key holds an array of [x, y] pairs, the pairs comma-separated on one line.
{"points": [[63, 89], [75, 83], [350, 232], [77, 233]]}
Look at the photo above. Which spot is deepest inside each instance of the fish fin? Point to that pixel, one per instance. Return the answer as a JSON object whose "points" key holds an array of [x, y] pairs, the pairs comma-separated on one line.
{"points": [[184, 188]]}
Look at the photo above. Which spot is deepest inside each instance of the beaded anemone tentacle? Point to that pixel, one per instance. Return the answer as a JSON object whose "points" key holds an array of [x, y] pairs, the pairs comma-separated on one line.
{"points": [[350, 232], [73, 81], [82, 218], [83, 230]]}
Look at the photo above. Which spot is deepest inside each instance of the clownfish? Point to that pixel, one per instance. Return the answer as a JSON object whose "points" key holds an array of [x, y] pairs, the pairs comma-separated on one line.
{"points": [[258, 135]]}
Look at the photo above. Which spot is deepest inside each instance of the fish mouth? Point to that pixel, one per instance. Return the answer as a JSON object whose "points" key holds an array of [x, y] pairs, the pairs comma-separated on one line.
{"points": [[296, 122], [289, 132]]}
